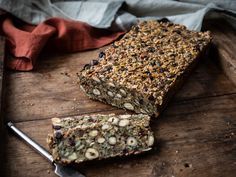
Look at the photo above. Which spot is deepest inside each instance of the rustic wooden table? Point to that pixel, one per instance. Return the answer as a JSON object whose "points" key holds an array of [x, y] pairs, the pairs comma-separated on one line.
{"points": [[196, 133]]}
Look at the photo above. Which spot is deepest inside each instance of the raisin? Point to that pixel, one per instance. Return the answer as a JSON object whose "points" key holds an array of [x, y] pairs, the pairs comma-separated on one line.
{"points": [[56, 127], [87, 66], [58, 134], [151, 49], [101, 54], [164, 20], [93, 62]]}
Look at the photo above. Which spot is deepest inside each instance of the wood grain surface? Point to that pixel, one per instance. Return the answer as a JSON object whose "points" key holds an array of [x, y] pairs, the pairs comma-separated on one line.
{"points": [[224, 48], [195, 134], [2, 86]]}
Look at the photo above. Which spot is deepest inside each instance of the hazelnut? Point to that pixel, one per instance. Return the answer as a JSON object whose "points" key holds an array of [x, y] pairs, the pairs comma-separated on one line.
{"points": [[123, 122], [112, 140], [101, 140], [113, 120], [150, 140], [131, 141], [91, 153], [105, 126], [93, 133]]}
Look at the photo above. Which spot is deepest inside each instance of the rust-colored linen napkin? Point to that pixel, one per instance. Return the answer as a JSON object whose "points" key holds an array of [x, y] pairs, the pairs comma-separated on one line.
{"points": [[25, 42]]}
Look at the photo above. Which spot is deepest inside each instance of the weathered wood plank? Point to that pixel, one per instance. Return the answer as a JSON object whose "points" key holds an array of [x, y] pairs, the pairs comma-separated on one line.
{"points": [[194, 138], [196, 133], [52, 90], [2, 81], [224, 39]]}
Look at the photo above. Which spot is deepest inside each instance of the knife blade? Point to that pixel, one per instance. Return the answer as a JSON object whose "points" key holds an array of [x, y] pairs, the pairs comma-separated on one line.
{"points": [[60, 170]]}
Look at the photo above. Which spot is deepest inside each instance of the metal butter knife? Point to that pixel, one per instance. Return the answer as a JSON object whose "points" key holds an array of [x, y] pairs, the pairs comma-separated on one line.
{"points": [[62, 171]]}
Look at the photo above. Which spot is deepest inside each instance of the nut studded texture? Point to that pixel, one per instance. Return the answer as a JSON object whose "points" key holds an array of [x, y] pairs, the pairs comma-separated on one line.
{"points": [[141, 71], [82, 138]]}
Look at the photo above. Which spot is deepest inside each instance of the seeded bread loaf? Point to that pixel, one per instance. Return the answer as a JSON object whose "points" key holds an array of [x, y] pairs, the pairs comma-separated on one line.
{"points": [[144, 68], [84, 138]]}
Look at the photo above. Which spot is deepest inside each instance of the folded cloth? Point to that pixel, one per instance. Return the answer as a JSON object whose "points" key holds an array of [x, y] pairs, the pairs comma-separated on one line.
{"points": [[25, 41], [119, 14]]}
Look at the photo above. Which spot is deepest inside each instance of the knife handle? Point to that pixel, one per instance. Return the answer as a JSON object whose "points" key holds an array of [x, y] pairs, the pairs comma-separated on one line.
{"points": [[29, 141]]}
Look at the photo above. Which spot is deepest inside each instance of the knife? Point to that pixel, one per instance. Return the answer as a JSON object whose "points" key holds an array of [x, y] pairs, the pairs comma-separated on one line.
{"points": [[60, 170]]}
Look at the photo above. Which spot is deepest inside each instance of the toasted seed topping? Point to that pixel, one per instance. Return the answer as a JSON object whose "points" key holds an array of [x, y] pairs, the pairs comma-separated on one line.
{"points": [[111, 84], [95, 78], [122, 92], [110, 93]]}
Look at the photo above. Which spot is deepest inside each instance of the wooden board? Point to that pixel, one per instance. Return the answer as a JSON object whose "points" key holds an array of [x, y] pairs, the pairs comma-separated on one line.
{"points": [[2, 78], [195, 134], [224, 49]]}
